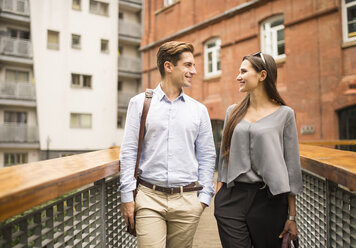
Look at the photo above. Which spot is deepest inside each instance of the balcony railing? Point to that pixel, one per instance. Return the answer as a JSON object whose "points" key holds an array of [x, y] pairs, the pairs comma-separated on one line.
{"points": [[90, 216], [134, 1], [130, 29], [25, 91], [19, 7], [15, 47], [131, 64], [18, 133], [123, 99]]}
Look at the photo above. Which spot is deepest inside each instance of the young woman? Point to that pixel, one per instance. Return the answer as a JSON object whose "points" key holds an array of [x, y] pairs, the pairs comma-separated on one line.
{"points": [[259, 166]]}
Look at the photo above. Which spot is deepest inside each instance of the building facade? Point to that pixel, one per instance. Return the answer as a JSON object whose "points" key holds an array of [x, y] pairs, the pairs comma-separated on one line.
{"points": [[130, 66], [65, 82], [313, 43]]}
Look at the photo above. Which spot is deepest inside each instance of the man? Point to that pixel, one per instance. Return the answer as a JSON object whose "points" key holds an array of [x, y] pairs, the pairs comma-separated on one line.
{"points": [[177, 151]]}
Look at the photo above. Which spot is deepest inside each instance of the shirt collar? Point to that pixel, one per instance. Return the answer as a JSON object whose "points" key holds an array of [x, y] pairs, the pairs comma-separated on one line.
{"points": [[160, 93]]}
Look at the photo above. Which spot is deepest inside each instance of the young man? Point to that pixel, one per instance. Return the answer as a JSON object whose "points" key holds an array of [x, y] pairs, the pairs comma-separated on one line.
{"points": [[177, 151]]}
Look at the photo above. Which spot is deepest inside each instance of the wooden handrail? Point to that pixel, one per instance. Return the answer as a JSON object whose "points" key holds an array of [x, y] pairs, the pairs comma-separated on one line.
{"points": [[328, 142], [336, 165], [28, 185]]}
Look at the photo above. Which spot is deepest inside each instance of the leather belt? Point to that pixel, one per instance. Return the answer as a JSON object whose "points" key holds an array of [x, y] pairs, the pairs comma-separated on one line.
{"points": [[187, 188]]}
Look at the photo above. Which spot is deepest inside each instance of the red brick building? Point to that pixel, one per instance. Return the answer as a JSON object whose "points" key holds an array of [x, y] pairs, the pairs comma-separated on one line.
{"points": [[313, 42]]}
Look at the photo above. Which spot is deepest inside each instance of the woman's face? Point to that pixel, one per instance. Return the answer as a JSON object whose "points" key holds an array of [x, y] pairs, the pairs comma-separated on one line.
{"points": [[248, 78]]}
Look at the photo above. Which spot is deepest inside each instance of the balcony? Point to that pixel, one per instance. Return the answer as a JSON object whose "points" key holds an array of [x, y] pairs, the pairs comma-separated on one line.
{"points": [[130, 29], [87, 210], [18, 133], [129, 64], [15, 10], [131, 5], [15, 50], [20, 91]]}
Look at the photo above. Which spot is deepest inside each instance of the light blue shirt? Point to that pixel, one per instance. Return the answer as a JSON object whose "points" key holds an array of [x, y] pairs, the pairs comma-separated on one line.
{"points": [[178, 147]]}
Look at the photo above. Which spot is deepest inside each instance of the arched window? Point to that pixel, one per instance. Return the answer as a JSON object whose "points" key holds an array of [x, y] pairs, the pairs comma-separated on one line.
{"points": [[212, 58], [272, 37], [347, 125]]}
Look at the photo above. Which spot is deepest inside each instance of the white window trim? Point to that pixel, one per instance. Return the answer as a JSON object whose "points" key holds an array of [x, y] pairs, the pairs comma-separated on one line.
{"points": [[344, 21], [168, 2], [214, 50], [264, 46], [81, 81]]}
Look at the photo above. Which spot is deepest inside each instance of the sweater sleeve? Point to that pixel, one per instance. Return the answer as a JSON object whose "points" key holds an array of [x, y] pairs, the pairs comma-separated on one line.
{"points": [[291, 155]]}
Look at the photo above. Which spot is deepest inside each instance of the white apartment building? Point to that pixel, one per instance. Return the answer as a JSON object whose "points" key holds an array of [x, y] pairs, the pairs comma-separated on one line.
{"points": [[63, 89], [130, 66]]}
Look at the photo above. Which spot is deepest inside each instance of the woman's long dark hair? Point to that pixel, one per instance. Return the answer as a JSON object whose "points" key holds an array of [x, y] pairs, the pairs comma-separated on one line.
{"points": [[239, 111]]}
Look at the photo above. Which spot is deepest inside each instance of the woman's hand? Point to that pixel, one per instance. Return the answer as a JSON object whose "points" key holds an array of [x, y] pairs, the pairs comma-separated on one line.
{"points": [[291, 227]]}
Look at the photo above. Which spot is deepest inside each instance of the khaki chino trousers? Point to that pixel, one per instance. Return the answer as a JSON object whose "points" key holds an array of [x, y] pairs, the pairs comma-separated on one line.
{"points": [[166, 220]]}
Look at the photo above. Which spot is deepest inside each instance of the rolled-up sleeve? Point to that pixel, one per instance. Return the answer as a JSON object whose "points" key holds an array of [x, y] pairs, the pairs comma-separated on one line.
{"points": [[128, 152], [206, 155], [291, 155]]}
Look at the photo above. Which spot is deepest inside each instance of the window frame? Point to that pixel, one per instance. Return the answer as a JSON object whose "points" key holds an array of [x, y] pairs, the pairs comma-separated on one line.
{"points": [[216, 53], [344, 7], [273, 49], [17, 71], [16, 114], [82, 81], [16, 156], [53, 46], [80, 125], [167, 3], [98, 7], [102, 42], [79, 46], [77, 6]]}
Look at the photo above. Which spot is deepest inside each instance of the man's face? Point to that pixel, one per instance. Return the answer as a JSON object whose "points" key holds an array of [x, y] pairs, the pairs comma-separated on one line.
{"points": [[183, 72]]}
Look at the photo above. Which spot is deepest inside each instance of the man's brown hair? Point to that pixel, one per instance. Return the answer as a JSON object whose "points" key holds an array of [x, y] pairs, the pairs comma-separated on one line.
{"points": [[171, 51]]}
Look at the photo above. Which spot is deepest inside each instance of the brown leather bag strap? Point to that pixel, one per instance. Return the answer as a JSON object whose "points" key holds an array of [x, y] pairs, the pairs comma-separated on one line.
{"points": [[146, 107]]}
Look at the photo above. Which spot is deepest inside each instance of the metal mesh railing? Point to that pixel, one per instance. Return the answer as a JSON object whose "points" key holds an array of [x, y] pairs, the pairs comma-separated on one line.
{"points": [[327, 214], [87, 218], [91, 218]]}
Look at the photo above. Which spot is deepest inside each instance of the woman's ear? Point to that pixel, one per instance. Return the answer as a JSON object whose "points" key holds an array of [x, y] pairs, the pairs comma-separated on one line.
{"points": [[263, 75], [168, 66]]}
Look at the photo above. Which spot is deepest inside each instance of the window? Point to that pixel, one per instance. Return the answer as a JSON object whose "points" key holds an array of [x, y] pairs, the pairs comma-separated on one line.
{"points": [[80, 120], [212, 58], [76, 41], [15, 76], [15, 158], [53, 40], [81, 81], [76, 5], [104, 46], [121, 50], [18, 34], [15, 117], [169, 2], [272, 37], [349, 19], [119, 85], [121, 15], [99, 8], [120, 120]]}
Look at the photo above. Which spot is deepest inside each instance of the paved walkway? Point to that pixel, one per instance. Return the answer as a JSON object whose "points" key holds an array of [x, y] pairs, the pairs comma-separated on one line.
{"points": [[207, 234]]}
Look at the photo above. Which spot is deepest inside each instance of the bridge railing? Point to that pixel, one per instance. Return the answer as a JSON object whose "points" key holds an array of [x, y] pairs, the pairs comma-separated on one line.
{"points": [[74, 201]]}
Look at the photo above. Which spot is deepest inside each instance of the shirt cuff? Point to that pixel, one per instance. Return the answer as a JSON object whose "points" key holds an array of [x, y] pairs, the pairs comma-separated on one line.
{"points": [[126, 197], [205, 198]]}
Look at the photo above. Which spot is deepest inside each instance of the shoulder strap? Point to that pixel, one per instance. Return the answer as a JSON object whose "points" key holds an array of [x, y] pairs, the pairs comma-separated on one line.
{"points": [[146, 107]]}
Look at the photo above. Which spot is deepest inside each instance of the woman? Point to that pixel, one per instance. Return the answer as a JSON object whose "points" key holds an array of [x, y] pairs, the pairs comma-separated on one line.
{"points": [[259, 166]]}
